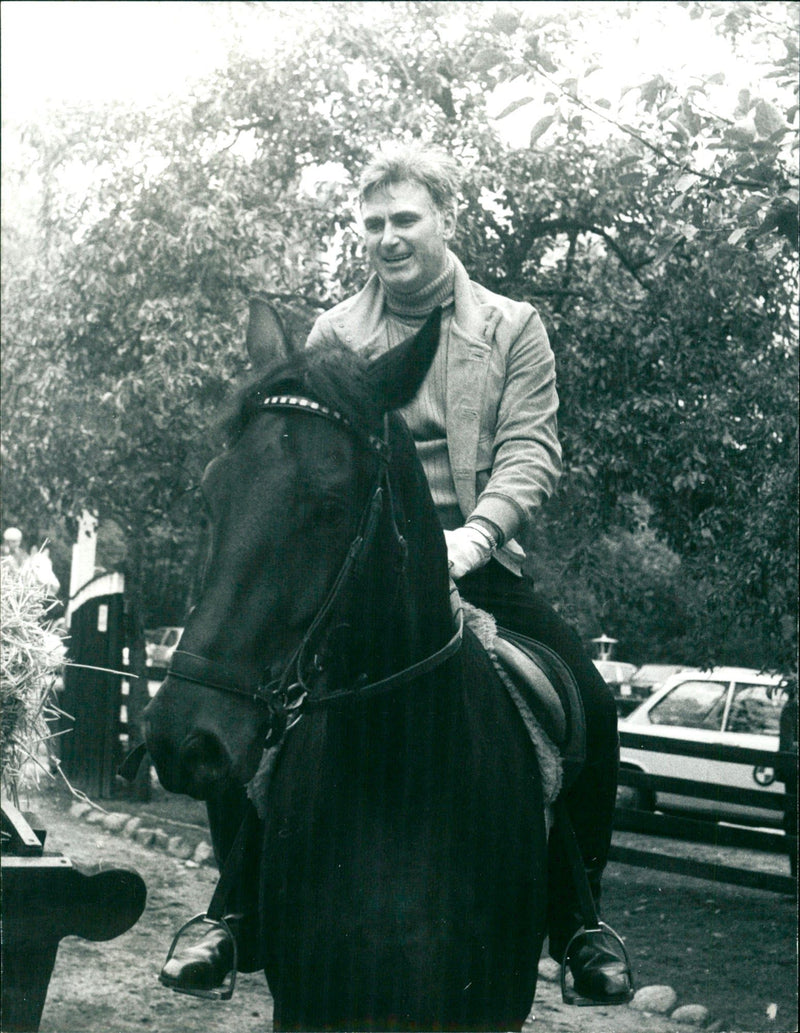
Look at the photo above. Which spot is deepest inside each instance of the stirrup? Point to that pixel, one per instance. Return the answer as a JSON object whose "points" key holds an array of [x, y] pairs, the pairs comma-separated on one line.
{"points": [[570, 996], [217, 993]]}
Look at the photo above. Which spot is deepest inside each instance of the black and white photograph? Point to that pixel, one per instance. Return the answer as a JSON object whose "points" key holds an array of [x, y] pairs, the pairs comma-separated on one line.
{"points": [[399, 514]]}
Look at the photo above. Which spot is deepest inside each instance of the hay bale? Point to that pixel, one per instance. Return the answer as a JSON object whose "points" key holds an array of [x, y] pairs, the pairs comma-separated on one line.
{"points": [[30, 660]]}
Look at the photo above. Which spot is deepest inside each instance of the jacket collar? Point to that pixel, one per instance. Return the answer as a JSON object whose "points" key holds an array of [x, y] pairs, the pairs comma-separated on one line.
{"points": [[361, 322]]}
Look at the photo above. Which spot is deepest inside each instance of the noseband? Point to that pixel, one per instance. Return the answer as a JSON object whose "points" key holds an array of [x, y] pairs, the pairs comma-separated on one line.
{"points": [[289, 696]]}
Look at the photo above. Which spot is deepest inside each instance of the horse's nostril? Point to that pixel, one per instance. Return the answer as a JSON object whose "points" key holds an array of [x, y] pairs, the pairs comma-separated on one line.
{"points": [[205, 761]]}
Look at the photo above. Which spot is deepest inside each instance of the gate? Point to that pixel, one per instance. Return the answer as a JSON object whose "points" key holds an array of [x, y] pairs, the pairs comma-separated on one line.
{"points": [[90, 747]]}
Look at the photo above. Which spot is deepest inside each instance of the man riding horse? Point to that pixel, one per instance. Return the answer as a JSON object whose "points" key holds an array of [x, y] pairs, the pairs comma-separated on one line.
{"points": [[484, 423]]}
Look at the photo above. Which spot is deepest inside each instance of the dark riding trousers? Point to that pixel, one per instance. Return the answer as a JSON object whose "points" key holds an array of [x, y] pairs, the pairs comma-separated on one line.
{"points": [[515, 605]]}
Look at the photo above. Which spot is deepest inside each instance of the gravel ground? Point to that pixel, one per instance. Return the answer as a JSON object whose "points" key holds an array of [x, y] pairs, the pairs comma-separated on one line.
{"points": [[113, 987]]}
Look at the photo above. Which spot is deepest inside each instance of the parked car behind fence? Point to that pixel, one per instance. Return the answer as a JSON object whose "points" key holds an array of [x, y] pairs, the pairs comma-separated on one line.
{"points": [[725, 706], [161, 644]]}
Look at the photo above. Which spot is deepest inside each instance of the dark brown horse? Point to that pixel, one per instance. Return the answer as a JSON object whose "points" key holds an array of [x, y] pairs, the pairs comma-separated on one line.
{"points": [[404, 853]]}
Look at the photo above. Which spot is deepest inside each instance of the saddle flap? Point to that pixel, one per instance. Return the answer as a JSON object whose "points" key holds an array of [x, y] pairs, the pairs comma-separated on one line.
{"points": [[539, 694], [549, 689]]}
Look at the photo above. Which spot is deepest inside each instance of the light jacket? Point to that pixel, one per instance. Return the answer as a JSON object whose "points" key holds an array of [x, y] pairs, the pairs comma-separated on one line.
{"points": [[501, 401]]}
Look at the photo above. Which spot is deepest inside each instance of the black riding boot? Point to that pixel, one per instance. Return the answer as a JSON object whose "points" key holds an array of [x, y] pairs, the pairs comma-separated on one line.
{"points": [[205, 964], [597, 962]]}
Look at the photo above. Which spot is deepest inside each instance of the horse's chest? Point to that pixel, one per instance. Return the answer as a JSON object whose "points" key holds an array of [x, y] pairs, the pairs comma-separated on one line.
{"points": [[360, 834]]}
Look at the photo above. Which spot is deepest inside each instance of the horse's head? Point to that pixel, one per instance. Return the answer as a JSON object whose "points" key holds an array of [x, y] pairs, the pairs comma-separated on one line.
{"points": [[308, 524]]}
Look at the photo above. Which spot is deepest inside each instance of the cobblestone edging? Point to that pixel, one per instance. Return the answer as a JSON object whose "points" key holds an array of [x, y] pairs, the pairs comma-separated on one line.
{"points": [[650, 1000], [141, 831]]}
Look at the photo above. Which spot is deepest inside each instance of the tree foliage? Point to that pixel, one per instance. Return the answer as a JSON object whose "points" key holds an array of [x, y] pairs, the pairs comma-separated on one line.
{"points": [[655, 231]]}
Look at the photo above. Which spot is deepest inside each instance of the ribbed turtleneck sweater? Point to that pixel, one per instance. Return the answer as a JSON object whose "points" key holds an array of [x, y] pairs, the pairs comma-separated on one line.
{"points": [[426, 414]]}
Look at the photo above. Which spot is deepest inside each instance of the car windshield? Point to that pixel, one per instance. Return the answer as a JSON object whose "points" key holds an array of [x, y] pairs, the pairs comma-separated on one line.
{"points": [[692, 704], [756, 709]]}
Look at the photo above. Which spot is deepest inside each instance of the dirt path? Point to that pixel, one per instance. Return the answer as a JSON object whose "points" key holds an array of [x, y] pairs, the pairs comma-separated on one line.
{"points": [[113, 987]]}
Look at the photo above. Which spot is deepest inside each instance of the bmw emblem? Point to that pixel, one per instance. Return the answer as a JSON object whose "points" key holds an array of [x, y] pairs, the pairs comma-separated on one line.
{"points": [[764, 776]]}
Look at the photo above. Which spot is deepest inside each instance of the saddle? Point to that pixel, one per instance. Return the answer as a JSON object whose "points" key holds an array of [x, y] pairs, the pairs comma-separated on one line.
{"points": [[543, 685], [543, 690]]}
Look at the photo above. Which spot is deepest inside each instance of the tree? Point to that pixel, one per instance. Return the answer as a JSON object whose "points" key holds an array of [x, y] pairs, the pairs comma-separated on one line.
{"points": [[651, 231]]}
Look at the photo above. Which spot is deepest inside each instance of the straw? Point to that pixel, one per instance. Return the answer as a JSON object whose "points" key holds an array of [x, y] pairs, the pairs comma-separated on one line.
{"points": [[30, 662]]}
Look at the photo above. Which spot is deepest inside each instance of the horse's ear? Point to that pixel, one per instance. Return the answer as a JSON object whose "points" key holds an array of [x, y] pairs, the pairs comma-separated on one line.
{"points": [[266, 338], [397, 375]]}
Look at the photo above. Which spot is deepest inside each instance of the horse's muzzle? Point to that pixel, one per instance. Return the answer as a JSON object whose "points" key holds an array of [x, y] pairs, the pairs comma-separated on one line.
{"points": [[204, 764], [196, 764]]}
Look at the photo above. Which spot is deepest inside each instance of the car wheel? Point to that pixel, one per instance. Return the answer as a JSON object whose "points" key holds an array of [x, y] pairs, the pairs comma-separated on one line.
{"points": [[635, 798]]}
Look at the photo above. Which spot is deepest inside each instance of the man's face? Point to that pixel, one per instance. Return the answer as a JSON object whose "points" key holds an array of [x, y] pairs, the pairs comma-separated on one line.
{"points": [[406, 236]]}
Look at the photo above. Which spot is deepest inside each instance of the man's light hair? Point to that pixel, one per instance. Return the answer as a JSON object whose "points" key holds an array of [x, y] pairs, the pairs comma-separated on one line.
{"points": [[429, 166]]}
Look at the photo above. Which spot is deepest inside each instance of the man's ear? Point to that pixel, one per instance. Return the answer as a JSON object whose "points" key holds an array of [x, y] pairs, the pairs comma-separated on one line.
{"points": [[397, 375], [266, 338], [449, 218]]}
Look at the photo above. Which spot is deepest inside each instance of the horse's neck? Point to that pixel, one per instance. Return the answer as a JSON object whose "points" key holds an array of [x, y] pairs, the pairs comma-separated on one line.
{"points": [[398, 609], [417, 619], [398, 623], [422, 605]]}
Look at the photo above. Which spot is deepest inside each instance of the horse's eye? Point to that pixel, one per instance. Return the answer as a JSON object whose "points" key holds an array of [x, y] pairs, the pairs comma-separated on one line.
{"points": [[330, 511]]}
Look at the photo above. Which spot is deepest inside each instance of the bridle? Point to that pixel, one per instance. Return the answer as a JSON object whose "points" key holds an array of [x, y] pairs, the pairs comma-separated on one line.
{"points": [[291, 695]]}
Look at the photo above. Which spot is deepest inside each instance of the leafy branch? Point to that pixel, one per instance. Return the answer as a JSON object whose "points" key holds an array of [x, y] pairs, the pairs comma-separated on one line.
{"points": [[682, 166]]}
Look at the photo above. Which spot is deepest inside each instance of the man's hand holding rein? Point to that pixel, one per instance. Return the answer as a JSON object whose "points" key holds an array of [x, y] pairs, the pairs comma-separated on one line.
{"points": [[470, 547]]}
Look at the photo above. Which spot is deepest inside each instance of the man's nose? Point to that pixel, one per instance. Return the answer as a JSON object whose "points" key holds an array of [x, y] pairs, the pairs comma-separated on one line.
{"points": [[389, 237]]}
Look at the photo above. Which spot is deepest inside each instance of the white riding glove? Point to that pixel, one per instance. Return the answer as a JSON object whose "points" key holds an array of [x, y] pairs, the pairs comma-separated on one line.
{"points": [[468, 548]]}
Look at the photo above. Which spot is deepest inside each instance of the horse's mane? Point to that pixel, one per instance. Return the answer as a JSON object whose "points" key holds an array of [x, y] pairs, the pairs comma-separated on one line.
{"points": [[333, 375]]}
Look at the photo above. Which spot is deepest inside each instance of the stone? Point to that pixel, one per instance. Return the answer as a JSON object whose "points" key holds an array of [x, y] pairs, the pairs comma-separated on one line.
{"points": [[203, 853], [178, 847], [95, 817], [549, 969], [160, 839], [131, 825], [691, 1015], [115, 822], [660, 1000], [144, 836], [79, 808]]}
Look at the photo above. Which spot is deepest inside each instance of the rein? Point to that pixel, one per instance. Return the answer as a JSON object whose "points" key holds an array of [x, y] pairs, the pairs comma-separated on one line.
{"points": [[289, 696]]}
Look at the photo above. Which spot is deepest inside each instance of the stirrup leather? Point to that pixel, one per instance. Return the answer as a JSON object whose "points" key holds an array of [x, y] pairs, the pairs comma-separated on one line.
{"points": [[217, 993], [569, 994]]}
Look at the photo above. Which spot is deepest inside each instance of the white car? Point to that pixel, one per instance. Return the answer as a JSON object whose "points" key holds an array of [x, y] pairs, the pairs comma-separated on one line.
{"points": [[734, 706], [649, 677], [161, 644]]}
